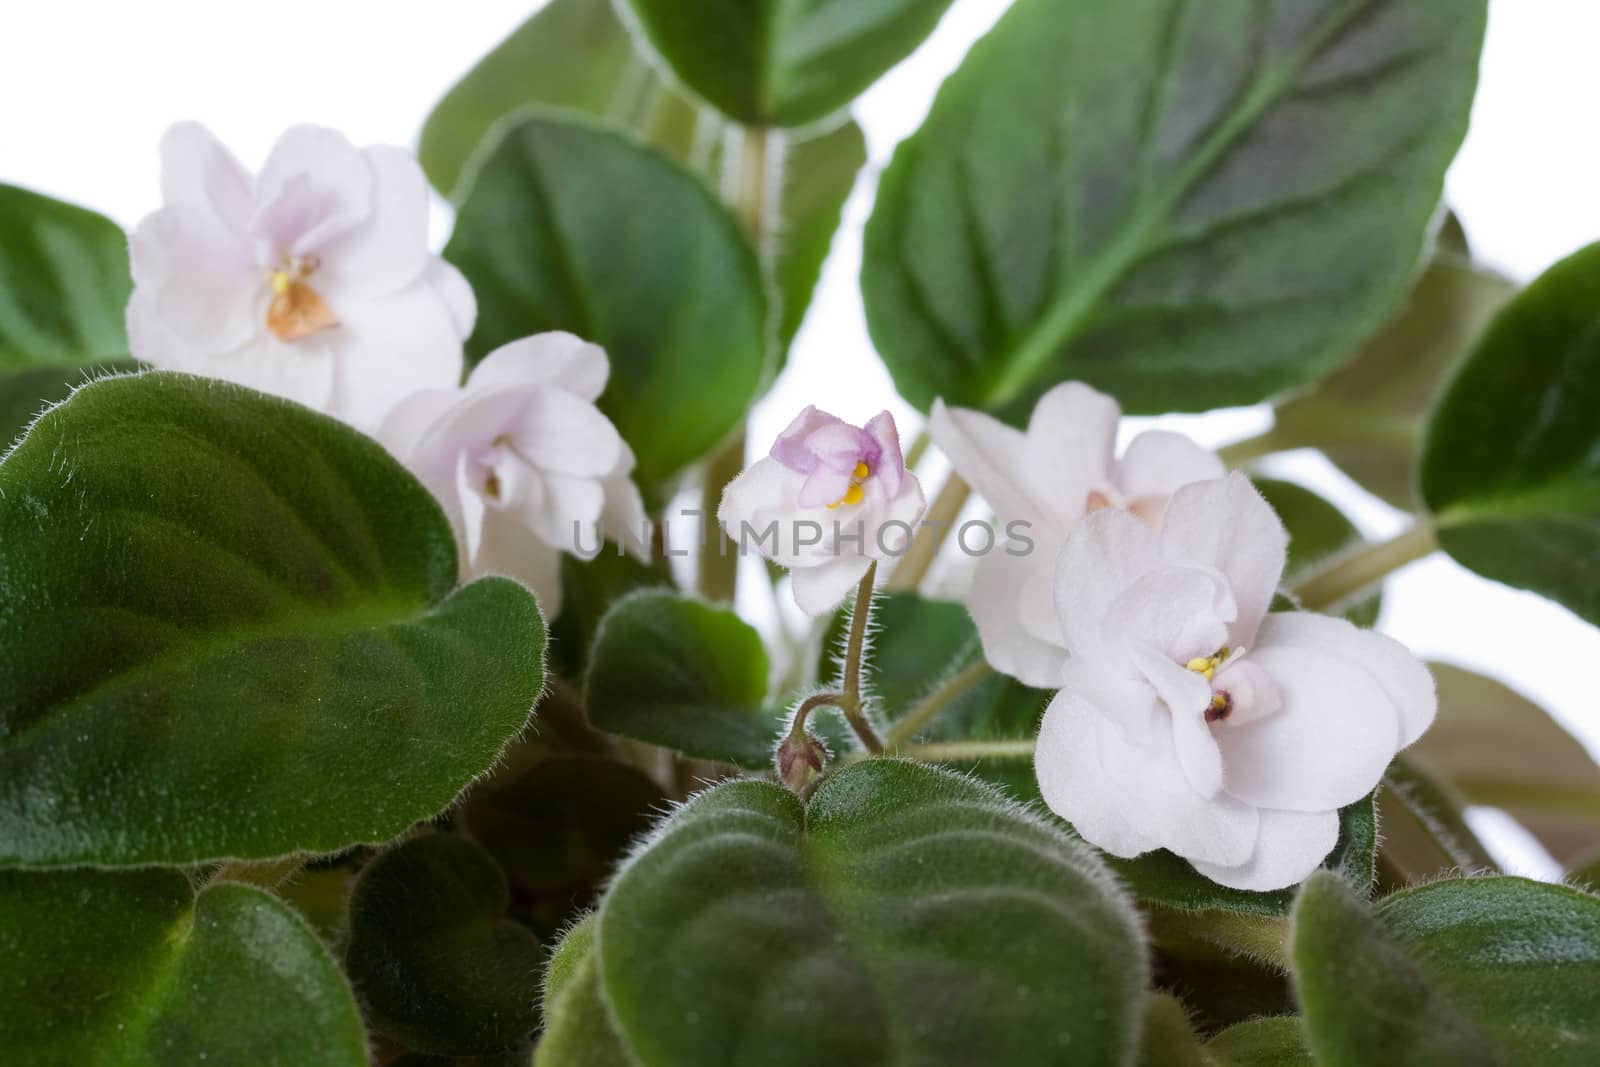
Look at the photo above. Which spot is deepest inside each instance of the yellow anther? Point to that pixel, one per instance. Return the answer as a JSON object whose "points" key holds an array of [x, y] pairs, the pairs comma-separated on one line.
{"points": [[280, 281], [1218, 701], [1201, 663], [853, 495], [860, 473]]}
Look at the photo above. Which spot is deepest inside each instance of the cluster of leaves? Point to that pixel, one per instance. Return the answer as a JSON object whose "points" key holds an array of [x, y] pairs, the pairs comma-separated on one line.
{"points": [[267, 788]]}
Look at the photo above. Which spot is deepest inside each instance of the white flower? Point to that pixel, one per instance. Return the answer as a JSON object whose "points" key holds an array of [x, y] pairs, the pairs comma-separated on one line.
{"points": [[312, 280], [829, 500], [1064, 467], [523, 463], [1194, 721]]}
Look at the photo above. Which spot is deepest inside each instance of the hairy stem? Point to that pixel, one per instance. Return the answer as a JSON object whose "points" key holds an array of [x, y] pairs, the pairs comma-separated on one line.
{"points": [[854, 652], [913, 566], [941, 751], [935, 702], [1345, 577]]}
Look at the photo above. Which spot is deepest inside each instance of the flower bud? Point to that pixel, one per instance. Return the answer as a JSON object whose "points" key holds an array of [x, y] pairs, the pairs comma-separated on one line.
{"points": [[799, 757]]}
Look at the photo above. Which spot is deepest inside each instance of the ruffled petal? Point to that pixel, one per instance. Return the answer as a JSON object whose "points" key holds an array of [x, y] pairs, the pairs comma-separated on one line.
{"points": [[452, 287], [1227, 525], [1179, 612], [302, 372], [1402, 676], [566, 512], [891, 467], [818, 590], [201, 284], [760, 508], [1186, 695], [990, 455], [197, 170], [389, 348], [1072, 440], [1128, 798], [1000, 585], [1158, 463], [408, 423], [314, 187], [1289, 846], [1103, 556], [1328, 743], [555, 359], [388, 249], [561, 432]]}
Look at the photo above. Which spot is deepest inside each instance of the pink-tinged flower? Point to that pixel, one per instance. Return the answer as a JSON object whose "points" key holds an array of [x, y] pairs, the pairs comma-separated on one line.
{"points": [[311, 280], [1194, 721], [829, 500], [522, 461], [1062, 468]]}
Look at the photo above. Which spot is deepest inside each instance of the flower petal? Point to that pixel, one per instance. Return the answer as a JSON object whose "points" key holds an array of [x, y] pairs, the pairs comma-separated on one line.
{"points": [[990, 455], [1001, 584], [891, 467], [314, 187], [1179, 612], [202, 286], [561, 432], [1403, 677], [1103, 556], [818, 590], [766, 494], [1129, 798], [198, 171], [388, 249], [1072, 440], [389, 348], [1227, 525], [1158, 463], [565, 513], [1186, 695], [1328, 743], [557, 359], [452, 287], [405, 426], [1289, 846]]}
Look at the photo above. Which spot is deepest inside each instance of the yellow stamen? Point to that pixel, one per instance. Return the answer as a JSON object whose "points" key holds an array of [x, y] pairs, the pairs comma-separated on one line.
{"points": [[281, 281], [1206, 666], [861, 472], [854, 495]]}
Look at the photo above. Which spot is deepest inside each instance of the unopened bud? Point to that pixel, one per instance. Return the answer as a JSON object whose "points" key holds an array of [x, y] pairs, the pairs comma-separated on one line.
{"points": [[799, 757]]}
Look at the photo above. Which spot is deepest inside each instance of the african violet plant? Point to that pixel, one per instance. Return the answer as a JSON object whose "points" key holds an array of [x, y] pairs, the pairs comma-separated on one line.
{"points": [[356, 708]]}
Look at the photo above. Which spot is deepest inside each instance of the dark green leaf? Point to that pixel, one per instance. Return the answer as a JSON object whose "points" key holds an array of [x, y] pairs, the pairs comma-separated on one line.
{"points": [[1165, 1037], [1368, 415], [559, 828], [571, 54], [1317, 531], [64, 283], [1274, 1041], [588, 589], [440, 967], [1425, 834], [135, 968], [570, 227], [909, 916], [1496, 747], [818, 174], [578, 1029], [1511, 464], [26, 393], [1161, 878], [230, 631], [675, 671], [1485, 970], [784, 62], [1186, 205]]}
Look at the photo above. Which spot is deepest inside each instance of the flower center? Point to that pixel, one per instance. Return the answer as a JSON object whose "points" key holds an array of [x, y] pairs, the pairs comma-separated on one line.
{"points": [[297, 310], [854, 494], [1206, 667]]}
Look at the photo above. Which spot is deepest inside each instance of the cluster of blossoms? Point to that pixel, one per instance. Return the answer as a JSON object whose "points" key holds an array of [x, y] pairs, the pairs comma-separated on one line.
{"points": [[313, 280], [1186, 717]]}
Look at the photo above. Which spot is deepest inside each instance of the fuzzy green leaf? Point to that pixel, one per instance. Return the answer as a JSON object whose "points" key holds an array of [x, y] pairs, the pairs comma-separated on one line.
{"points": [[231, 630]]}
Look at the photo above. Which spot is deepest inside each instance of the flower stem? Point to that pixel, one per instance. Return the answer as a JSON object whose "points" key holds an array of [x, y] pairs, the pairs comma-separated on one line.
{"points": [[941, 751], [917, 448], [719, 557], [1242, 453], [1344, 577], [913, 566], [935, 702], [850, 702]]}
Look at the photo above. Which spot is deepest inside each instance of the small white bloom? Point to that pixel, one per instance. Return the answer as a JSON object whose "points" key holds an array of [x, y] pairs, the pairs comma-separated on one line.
{"points": [[522, 461], [1194, 721], [1062, 468], [829, 500], [311, 280]]}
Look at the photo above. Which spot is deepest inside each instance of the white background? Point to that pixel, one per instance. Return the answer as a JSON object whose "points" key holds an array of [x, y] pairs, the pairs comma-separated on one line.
{"points": [[86, 89]]}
